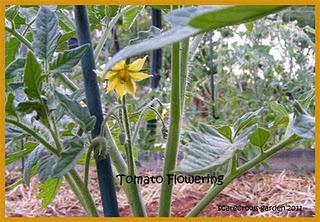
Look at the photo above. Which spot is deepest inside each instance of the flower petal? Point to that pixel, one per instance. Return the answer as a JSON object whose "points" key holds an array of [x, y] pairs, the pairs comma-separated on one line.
{"points": [[121, 90], [138, 76], [137, 65], [131, 87], [120, 65], [112, 83], [111, 74]]}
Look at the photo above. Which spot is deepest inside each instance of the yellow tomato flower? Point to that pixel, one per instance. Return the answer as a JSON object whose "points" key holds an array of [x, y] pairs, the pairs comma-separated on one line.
{"points": [[122, 77]]}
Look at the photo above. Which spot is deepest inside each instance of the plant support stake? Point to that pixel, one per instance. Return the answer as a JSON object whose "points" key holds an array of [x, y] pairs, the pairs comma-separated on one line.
{"points": [[104, 170]]}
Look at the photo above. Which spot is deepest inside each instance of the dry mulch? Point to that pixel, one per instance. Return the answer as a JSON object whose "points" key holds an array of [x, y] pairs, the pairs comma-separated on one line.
{"points": [[263, 189]]}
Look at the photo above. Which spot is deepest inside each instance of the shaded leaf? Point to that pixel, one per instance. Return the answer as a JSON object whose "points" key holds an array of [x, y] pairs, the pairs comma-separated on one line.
{"points": [[32, 159], [79, 113], [14, 67], [12, 134], [63, 40], [10, 109], [66, 60], [12, 47], [45, 33], [246, 120], [69, 156], [45, 164], [304, 126], [32, 77], [14, 156]]}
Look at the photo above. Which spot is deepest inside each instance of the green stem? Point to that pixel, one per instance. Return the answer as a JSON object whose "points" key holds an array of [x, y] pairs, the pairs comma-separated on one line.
{"points": [[215, 190], [129, 148], [20, 37], [87, 165], [132, 190], [144, 110], [174, 133], [184, 48], [67, 82], [34, 134], [84, 194]]}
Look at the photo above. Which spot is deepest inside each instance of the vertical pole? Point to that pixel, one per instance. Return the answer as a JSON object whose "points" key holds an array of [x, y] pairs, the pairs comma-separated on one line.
{"points": [[104, 170], [156, 63], [212, 76], [156, 55]]}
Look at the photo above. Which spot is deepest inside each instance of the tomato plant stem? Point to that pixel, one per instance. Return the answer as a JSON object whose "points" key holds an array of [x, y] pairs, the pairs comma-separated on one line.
{"points": [[216, 190], [82, 192], [133, 193], [174, 132]]}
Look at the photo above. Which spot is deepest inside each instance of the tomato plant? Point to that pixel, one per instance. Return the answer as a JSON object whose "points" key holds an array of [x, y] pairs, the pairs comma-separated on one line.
{"points": [[62, 117]]}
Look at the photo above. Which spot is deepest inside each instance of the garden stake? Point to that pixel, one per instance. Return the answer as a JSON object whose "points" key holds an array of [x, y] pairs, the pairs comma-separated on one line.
{"points": [[156, 63], [104, 170], [212, 77]]}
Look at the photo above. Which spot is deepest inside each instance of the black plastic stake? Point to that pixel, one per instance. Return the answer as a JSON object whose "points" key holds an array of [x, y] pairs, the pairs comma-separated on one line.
{"points": [[212, 84], [156, 63], [156, 55], [104, 170]]}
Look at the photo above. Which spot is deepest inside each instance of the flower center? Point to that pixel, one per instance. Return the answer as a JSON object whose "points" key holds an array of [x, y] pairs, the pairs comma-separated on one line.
{"points": [[123, 75]]}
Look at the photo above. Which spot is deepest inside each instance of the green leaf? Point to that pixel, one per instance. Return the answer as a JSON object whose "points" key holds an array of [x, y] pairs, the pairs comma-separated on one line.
{"points": [[49, 190], [12, 47], [249, 26], [148, 115], [66, 60], [73, 149], [63, 40], [213, 17], [45, 164], [79, 113], [130, 16], [27, 148], [111, 10], [45, 33], [10, 109], [180, 20], [29, 106], [281, 112], [32, 159], [246, 120], [32, 77], [260, 137], [304, 126], [14, 67], [12, 134], [226, 131], [209, 149], [82, 161]]}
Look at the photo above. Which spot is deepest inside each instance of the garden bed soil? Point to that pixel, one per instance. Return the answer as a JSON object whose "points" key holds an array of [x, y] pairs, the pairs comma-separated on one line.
{"points": [[263, 189]]}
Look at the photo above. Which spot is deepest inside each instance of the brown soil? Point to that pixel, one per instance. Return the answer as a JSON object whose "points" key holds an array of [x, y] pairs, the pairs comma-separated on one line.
{"points": [[263, 189]]}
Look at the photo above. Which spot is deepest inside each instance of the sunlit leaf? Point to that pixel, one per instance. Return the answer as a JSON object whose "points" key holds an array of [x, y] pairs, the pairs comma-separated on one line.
{"points": [[49, 190]]}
